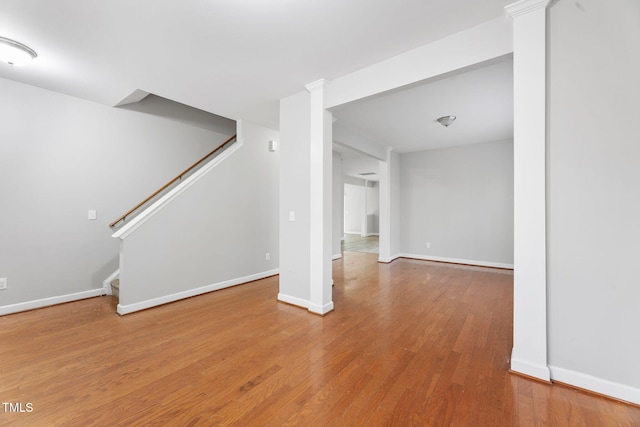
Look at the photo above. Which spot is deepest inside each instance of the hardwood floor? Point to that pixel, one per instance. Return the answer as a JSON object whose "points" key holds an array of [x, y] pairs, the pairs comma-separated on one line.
{"points": [[410, 343], [357, 243]]}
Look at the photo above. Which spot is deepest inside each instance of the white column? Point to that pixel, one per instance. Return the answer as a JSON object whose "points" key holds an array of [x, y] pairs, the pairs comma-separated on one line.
{"points": [[384, 171], [364, 231], [529, 355], [294, 229], [320, 191]]}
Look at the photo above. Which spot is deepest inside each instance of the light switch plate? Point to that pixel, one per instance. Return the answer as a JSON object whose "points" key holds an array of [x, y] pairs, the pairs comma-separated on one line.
{"points": [[3, 283], [92, 214]]}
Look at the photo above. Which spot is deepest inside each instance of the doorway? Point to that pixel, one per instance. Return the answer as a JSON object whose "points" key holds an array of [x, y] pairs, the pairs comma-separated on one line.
{"points": [[361, 216]]}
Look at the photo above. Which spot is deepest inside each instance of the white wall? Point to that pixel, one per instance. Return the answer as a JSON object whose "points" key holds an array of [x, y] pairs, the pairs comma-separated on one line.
{"points": [[353, 206], [338, 206], [593, 190], [373, 208], [306, 196], [217, 231], [294, 197], [460, 200], [61, 156]]}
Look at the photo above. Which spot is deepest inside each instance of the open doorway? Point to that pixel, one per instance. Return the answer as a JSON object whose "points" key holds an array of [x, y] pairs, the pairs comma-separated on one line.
{"points": [[360, 201], [361, 217]]}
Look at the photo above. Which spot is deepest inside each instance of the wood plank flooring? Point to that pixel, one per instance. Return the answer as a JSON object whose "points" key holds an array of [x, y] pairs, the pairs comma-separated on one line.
{"points": [[409, 343], [357, 243]]}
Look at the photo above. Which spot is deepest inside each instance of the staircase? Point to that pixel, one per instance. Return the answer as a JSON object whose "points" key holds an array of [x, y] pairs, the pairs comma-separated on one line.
{"points": [[171, 184], [135, 217]]}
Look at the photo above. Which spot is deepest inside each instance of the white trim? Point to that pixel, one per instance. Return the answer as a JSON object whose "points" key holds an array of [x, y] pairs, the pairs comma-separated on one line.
{"points": [[336, 256], [46, 302], [459, 261], [154, 302], [472, 46], [321, 309], [391, 258], [149, 212], [315, 85], [531, 369], [106, 283], [359, 234], [595, 384], [299, 302], [523, 7]]}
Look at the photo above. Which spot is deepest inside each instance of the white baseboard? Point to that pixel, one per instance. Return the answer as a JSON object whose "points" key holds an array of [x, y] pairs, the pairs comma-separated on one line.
{"points": [[299, 302], [336, 256], [459, 261], [154, 302], [106, 283], [595, 384], [530, 369], [359, 233], [321, 309], [45, 302], [389, 259]]}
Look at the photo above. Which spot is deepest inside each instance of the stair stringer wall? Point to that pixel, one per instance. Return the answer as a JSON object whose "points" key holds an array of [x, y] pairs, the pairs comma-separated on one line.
{"points": [[212, 235]]}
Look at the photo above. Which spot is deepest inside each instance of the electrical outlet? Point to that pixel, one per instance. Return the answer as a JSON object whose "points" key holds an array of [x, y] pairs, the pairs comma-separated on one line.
{"points": [[267, 256], [3, 283], [428, 245]]}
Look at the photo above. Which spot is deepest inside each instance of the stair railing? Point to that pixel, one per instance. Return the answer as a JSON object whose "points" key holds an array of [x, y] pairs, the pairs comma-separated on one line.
{"points": [[177, 178]]}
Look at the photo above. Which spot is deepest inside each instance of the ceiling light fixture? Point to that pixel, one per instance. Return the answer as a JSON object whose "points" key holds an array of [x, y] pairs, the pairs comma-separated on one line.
{"points": [[446, 120], [15, 53]]}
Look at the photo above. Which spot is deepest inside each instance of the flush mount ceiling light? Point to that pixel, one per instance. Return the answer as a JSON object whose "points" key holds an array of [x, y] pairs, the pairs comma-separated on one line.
{"points": [[446, 120], [15, 53]]}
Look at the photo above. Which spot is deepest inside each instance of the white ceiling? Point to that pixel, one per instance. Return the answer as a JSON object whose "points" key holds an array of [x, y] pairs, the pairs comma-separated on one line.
{"points": [[355, 164], [481, 99], [234, 58]]}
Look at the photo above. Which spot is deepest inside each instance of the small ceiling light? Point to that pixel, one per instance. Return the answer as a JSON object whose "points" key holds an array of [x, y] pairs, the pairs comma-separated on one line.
{"points": [[446, 120], [15, 53]]}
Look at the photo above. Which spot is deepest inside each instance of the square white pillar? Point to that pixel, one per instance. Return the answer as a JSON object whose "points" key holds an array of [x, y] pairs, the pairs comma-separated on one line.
{"points": [[529, 355], [321, 195]]}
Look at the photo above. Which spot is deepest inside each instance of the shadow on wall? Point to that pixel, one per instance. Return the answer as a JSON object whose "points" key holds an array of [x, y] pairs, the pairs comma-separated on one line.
{"points": [[162, 107]]}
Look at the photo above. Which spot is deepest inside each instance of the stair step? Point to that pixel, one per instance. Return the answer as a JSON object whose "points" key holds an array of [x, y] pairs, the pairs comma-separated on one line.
{"points": [[115, 287]]}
